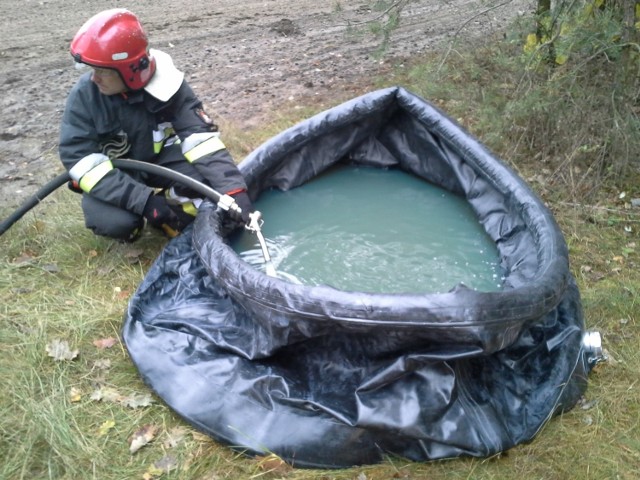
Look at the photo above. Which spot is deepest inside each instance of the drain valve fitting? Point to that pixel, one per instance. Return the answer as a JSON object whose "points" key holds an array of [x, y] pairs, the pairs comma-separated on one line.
{"points": [[592, 344]]}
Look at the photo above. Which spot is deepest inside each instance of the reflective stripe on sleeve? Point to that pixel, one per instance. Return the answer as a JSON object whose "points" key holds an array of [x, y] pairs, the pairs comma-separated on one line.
{"points": [[200, 144], [93, 176], [86, 164]]}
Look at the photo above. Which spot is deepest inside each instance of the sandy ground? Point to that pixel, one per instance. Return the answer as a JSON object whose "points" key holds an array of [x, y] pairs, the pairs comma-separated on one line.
{"points": [[244, 59]]}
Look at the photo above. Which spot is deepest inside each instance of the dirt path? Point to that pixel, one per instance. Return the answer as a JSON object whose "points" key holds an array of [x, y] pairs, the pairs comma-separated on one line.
{"points": [[244, 59]]}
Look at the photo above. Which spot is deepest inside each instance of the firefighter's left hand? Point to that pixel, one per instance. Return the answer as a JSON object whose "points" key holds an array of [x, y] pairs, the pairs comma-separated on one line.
{"points": [[162, 215]]}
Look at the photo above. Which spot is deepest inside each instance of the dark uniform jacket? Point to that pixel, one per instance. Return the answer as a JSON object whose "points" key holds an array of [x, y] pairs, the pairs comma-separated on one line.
{"points": [[136, 125]]}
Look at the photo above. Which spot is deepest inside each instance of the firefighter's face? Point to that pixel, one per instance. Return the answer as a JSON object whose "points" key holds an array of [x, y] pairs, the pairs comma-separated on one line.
{"points": [[108, 81]]}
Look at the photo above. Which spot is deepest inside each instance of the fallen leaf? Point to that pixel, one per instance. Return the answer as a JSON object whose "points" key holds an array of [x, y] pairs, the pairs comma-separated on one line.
{"points": [[137, 400], [120, 294], [152, 472], [105, 342], [60, 350], [586, 404], [105, 427], [25, 258], [92, 253], [134, 253], [142, 437], [75, 395], [201, 437], [106, 394], [273, 463], [134, 256]]}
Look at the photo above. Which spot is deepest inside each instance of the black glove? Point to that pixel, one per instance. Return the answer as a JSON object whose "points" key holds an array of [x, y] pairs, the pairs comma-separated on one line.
{"points": [[244, 202], [161, 215]]}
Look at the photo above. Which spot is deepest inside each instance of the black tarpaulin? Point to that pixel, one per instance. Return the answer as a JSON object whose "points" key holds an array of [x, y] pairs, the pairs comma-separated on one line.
{"points": [[328, 378]]}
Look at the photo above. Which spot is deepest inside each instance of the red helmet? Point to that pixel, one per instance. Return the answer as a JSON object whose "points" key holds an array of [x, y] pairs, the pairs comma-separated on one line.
{"points": [[115, 39]]}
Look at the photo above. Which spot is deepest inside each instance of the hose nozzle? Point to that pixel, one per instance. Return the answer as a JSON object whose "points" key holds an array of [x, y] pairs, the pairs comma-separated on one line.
{"points": [[255, 225], [255, 222]]}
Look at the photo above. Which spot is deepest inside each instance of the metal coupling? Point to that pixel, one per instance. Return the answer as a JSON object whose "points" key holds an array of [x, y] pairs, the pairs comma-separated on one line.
{"points": [[227, 202], [592, 345]]}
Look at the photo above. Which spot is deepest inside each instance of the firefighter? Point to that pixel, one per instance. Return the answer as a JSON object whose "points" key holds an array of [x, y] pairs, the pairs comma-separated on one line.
{"points": [[134, 103]]}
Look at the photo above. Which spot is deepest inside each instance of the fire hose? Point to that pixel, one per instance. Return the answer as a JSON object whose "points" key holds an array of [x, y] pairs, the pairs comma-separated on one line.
{"points": [[223, 201]]}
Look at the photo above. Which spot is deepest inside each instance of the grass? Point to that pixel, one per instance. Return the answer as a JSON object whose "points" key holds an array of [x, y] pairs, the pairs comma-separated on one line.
{"points": [[58, 281]]}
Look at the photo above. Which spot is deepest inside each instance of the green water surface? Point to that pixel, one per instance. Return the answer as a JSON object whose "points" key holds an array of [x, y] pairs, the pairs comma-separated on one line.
{"points": [[373, 230]]}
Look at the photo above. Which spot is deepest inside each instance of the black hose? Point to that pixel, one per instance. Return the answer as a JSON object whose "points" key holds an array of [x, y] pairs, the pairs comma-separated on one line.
{"points": [[124, 164], [33, 201], [199, 187]]}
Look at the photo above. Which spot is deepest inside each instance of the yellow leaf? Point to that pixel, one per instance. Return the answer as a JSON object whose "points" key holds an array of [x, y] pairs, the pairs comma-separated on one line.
{"points": [[561, 59], [531, 43], [105, 427], [75, 395], [152, 472]]}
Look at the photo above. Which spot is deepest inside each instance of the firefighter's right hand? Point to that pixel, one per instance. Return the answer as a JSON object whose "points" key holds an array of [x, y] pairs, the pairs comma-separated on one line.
{"points": [[160, 215]]}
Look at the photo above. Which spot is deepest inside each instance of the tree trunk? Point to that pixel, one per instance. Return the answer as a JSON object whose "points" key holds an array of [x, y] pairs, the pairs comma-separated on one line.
{"points": [[631, 42]]}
